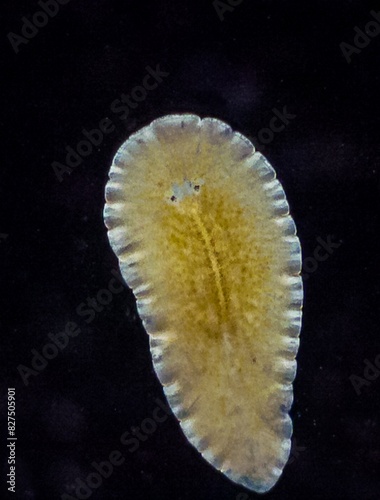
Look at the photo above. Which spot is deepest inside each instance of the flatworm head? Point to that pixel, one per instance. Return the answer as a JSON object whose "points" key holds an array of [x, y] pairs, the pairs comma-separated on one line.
{"points": [[202, 230]]}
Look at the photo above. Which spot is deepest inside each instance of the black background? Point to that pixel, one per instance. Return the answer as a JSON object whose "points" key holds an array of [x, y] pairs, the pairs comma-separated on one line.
{"points": [[55, 253]]}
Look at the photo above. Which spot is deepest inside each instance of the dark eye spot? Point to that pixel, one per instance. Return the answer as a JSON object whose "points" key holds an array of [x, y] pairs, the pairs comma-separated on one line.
{"points": [[196, 188], [173, 198]]}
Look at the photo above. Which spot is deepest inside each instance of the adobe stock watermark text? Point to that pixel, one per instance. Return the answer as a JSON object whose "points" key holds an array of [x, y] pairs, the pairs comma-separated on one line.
{"points": [[32, 25], [121, 108], [362, 37]]}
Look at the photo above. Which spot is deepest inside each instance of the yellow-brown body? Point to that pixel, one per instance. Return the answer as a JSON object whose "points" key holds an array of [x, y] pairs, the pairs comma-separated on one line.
{"points": [[204, 238]]}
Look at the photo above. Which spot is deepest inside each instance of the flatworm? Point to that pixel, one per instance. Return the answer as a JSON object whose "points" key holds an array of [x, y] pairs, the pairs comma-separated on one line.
{"points": [[202, 230]]}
